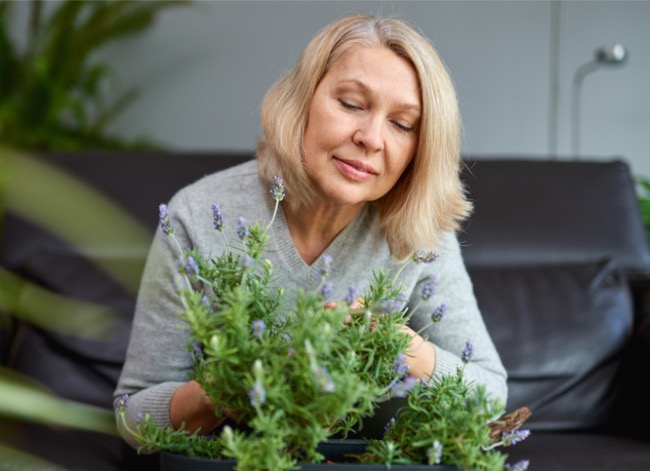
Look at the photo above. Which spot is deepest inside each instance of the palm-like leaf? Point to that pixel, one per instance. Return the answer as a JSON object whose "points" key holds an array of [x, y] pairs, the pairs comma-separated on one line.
{"points": [[51, 96]]}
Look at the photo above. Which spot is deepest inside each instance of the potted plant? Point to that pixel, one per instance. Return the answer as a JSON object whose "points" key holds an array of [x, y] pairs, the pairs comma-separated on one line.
{"points": [[298, 377], [53, 87]]}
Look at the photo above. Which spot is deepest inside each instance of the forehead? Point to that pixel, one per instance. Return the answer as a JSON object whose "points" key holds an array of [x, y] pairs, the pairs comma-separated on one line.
{"points": [[377, 69]]}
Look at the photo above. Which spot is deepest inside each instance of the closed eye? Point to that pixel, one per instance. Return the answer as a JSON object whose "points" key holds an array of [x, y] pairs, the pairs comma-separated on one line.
{"points": [[403, 127], [349, 106]]}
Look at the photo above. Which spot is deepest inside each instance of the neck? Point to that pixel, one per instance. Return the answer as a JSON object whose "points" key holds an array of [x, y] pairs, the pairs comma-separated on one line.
{"points": [[314, 228]]}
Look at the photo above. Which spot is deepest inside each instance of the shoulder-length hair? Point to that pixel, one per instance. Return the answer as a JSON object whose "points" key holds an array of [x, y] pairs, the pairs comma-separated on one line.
{"points": [[429, 198]]}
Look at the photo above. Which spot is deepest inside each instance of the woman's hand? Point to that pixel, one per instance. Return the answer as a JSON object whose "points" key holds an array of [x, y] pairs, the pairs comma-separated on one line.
{"points": [[356, 304], [191, 409], [420, 356]]}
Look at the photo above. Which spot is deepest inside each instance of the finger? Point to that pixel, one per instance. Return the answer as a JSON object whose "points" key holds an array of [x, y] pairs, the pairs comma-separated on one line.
{"points": [[357, 303]]}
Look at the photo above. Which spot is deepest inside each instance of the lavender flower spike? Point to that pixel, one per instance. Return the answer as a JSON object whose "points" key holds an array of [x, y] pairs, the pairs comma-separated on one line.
{"points": [[190, 266], [425, 257], [401, 388], [428, 288], [242, 228], [468, 353], [518, 466], [165, 223], [326, 269], [324, 380], [258, 328], [400, 366], [257, 395], [217, 217], [121, 403], [514, 437], [353, 294], [438, 313], [434, 454], [277, 189], [246, 261], [326, 290]]}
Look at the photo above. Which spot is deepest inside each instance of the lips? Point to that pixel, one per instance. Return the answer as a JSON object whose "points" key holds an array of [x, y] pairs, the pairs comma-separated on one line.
{"points": [[355, 169], [359, 166]]}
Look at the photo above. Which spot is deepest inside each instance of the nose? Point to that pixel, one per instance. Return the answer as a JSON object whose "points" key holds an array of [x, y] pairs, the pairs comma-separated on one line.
{"points": [[370, 134]]}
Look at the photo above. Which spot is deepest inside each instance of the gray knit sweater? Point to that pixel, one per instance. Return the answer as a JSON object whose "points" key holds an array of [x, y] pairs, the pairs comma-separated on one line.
{"points": [[158, 360]]}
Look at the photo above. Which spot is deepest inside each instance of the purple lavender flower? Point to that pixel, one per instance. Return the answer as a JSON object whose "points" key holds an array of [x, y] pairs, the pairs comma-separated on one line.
{"points": [[428, 288], [326, 269], [217, 217], [197, 351], [326, 289], [425, 257], [190, 266], [277, 189], [514, 437], [246, 261], [434, 453], [521, 465], [402, 387], [353, 294], [400, 366], [468, 353], [258, 328], [121, 403], [242, 227], [139, 417], [394, 304], [165, 223], [257, 395], [206, 302], [438, 313]]}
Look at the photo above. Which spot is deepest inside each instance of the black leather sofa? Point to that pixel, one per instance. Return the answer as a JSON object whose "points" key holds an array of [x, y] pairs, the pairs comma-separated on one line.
{"points": [[556, 250]]}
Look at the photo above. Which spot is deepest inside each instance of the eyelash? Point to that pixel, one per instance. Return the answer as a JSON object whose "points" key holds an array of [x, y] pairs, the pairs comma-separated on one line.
{"points": [[402, 127], [349, 106], [398, 125]]}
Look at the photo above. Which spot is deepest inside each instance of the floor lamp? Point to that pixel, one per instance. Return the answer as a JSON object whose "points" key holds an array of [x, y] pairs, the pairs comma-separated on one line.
{"points": [[606, 55]]}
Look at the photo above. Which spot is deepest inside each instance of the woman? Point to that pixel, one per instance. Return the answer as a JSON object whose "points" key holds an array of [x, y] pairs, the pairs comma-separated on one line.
{"points": [[365, 132]]}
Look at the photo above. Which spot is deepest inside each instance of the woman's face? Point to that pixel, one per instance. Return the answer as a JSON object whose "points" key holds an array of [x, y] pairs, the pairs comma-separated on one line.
{"points": [[363, 125]]}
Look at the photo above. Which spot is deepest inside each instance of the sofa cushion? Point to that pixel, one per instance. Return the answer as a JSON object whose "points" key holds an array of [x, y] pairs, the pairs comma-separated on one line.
{"points": [[561, 331], [546, 211]]}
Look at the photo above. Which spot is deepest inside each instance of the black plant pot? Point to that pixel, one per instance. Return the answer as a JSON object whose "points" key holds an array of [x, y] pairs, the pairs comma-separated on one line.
{"points": [[335, 451]]}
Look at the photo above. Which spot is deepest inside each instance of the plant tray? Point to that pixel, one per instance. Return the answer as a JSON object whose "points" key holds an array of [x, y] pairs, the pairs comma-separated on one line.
{"points": [[336, 452]]}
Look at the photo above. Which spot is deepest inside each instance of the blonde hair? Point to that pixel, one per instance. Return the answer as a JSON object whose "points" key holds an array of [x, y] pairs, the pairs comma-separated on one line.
{"points": [[429, 198]]}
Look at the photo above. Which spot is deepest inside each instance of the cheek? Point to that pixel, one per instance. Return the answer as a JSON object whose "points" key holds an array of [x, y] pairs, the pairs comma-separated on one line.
{"points": [[322, 136], [403, 158]]}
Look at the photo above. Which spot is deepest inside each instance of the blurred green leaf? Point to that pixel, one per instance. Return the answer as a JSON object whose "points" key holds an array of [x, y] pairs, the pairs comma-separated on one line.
{"points": [[23, 400], [19, 460], [643, 187], [52, 311], [90, 222]]}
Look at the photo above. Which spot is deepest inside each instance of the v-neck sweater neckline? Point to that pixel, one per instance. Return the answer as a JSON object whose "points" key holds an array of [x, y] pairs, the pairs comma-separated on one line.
{"points": [[292, 263]]}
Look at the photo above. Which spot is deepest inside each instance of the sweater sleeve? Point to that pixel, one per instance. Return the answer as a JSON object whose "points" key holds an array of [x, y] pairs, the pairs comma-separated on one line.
{"points": [[157, 359], [461, 322]]}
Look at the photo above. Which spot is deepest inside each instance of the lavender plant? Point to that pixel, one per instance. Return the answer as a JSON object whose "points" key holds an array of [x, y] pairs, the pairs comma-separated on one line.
{"points": [[447, 422], [294, 376], [297, 375]]}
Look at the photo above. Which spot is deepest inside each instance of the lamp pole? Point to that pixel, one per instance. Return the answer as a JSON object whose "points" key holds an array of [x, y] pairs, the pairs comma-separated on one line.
{"points": [[614, 55]]}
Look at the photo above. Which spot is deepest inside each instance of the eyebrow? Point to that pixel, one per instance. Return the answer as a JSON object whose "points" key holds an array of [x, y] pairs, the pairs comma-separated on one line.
{"points": [[365, 88]]}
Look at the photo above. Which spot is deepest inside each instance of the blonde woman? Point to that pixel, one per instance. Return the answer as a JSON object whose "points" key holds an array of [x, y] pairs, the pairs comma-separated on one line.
{"points": [[365, 132]]}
